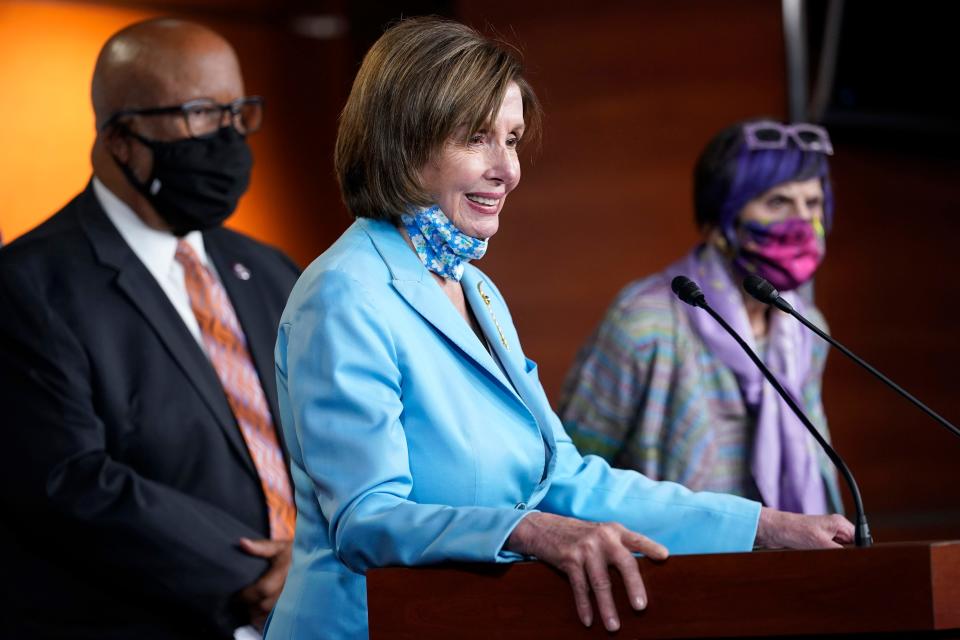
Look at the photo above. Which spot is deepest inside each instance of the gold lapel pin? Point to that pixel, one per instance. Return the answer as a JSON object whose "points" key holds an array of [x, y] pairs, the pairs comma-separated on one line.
{"points": [[486, 301]]}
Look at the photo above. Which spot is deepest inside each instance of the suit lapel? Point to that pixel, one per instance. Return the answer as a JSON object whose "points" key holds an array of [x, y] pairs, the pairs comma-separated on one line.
{"points": [[144, 293], [491, 317], [414, 283], [491, 312], [494, 320]]}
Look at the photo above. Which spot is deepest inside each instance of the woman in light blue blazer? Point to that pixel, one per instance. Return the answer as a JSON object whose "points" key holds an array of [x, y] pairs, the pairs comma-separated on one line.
{"points": [[418, 430]]}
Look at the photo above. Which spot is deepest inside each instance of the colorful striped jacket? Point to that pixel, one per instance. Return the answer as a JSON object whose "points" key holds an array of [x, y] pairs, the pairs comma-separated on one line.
{"points": [[646, 394]]}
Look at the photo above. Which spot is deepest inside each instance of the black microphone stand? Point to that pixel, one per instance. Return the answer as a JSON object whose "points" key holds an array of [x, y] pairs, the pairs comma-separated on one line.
{"points": [[765, 292], [691, 294]]}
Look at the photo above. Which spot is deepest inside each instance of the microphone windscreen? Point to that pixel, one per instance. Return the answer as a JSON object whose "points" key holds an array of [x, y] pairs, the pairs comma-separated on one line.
{"points": [[760, 289], [688, 291], [678, 282]]}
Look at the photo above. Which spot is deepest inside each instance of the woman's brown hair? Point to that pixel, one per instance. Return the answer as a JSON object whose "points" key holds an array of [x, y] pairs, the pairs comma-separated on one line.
{"points": [[422, 80]]}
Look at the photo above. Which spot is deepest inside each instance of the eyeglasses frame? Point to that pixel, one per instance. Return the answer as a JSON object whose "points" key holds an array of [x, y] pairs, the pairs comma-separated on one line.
{"points": [[234, 107]]}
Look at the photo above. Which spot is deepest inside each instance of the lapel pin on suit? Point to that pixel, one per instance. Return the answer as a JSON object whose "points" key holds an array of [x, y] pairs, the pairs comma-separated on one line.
{"points": [[241, 271], [486, 301]]}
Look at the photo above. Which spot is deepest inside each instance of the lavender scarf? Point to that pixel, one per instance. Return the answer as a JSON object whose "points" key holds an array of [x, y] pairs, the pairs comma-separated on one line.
{"points": [[783, 461]]}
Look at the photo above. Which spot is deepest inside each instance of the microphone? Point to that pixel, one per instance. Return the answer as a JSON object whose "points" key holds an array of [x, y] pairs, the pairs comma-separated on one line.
{"points": [[688, 291], [765, 292]]}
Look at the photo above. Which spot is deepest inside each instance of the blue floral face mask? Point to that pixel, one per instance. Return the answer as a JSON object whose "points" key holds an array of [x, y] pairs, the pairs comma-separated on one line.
{"points": [[442, 247]]}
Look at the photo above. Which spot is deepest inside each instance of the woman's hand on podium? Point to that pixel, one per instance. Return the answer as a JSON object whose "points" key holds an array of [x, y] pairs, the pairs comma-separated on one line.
{"points": [[781, 529], [585, 551]]}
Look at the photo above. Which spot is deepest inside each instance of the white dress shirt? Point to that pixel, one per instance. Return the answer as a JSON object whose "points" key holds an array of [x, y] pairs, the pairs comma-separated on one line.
{"points": [[157, 251]]}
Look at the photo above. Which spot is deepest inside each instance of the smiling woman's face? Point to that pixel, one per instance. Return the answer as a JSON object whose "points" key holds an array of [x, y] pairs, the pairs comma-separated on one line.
{"points": [[470, 182]]}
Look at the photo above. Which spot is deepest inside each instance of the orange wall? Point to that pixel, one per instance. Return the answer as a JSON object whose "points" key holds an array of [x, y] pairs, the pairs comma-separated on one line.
{"points": [[47, 53]]}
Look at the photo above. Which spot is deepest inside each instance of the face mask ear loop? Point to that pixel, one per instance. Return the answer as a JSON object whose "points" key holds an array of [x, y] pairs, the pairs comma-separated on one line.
{"points": [[125, 131], [728, 236]]}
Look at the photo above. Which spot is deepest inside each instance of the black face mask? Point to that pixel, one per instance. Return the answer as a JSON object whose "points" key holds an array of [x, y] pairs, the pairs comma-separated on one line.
{"points": [[196, 182]]}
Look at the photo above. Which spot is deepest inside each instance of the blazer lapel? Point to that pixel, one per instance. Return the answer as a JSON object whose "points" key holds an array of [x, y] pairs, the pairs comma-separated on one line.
{"points": [[413, 282], [491, 312], [145, 294], [491, 317]]}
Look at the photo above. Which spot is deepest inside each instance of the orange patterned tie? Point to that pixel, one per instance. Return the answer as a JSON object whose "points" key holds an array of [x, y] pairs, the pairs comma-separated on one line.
{"points": [[227, 349]]}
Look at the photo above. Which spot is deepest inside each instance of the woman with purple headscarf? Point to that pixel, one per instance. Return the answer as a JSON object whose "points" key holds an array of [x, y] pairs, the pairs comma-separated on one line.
{"points": [[661, 388]]}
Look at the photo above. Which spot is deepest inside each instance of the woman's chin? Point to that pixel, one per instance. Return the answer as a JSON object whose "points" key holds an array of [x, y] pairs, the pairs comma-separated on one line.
{"points": [[484, 229]]}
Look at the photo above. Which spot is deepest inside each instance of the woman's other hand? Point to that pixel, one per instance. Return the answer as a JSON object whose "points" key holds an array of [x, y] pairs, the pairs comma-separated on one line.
{"points": [[585, 551], [778, 529]]}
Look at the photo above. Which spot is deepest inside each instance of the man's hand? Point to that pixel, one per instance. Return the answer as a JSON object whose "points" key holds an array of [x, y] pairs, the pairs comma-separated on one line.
{"points": [[260, 596]]}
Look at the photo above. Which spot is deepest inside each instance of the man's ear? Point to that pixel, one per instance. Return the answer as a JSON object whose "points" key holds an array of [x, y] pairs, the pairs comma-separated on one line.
{"points": [[116, 141]]}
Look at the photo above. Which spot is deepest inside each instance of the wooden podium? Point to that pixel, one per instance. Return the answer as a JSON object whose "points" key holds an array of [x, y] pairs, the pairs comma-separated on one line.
{"points": [[909, 590]]}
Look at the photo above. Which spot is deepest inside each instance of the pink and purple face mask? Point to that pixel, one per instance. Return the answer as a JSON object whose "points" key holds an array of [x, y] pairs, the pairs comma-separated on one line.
{"points": [[786, 253]]}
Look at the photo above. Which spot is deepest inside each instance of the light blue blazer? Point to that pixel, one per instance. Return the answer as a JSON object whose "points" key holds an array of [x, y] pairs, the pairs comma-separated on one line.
{"points": [[410, 444]]}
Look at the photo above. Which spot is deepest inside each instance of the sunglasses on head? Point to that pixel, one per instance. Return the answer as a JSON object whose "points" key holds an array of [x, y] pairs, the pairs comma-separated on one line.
{"points": [[773, 135]]}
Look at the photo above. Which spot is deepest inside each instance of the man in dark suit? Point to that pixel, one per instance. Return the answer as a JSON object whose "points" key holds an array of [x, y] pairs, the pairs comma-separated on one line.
{"points": [[144, 488]]}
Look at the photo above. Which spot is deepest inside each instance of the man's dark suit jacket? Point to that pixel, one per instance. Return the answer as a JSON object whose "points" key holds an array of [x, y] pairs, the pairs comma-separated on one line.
{"points": [[125, 481]]}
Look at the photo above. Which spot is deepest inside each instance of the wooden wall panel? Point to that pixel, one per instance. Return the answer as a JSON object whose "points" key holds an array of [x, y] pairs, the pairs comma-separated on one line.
{"points": [[632, 92], [890, 291]]}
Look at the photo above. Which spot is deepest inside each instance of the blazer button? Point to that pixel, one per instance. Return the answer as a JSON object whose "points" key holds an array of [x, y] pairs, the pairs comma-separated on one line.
{"points": [[521, 506]]}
